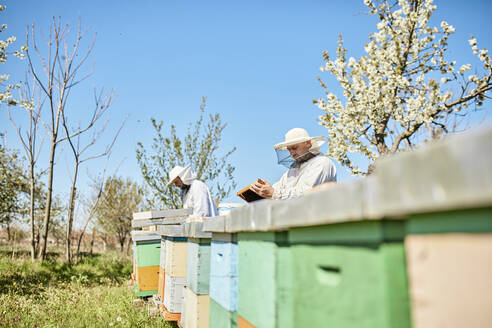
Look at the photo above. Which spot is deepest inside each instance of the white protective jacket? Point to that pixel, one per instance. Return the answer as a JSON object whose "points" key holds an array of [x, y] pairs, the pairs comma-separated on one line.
{"points": [[301, 178], [199, 199]]}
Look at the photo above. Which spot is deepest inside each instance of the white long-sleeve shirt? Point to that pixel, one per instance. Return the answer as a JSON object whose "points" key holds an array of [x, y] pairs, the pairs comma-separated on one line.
{"points": [[199, 199], [301, 178]]}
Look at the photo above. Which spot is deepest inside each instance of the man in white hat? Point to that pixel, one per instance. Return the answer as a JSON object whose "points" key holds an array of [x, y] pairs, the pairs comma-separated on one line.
{"points": [[308, 167], [194, 193]]}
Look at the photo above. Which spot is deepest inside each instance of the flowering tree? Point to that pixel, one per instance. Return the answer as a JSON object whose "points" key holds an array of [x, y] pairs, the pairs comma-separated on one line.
{"points": [[401, 86], [5, 91]]}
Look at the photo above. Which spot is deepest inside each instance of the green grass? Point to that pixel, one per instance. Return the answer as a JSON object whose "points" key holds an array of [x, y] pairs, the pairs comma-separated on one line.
{"points": [[91, 293]]}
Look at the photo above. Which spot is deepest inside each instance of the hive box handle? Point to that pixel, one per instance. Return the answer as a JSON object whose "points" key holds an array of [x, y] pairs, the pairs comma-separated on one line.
{"points": [[329, 275]]}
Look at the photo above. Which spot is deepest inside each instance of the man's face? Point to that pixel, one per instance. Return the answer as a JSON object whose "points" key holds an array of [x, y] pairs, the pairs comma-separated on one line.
{"points": [[298, 150], [177, 182]]}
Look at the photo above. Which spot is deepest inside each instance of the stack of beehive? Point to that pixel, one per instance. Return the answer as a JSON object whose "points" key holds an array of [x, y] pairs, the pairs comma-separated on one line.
{"points": [[409, 246], [147, 250], [223, 280], [175, 270], [197, 301]]}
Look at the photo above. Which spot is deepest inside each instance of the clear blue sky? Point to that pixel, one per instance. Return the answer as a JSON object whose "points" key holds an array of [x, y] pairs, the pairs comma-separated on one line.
{"points": [[255, 61]]}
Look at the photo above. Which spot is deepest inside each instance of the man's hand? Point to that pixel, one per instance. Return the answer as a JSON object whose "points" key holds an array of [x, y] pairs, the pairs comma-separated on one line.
{"points": [[264, 189]]}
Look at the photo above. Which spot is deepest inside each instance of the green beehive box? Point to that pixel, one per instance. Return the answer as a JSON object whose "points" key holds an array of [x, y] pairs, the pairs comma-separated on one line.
{"points": [[339, 275], [148, 253], [262, 289], [349, 275], [220, 317], [198, 265]]}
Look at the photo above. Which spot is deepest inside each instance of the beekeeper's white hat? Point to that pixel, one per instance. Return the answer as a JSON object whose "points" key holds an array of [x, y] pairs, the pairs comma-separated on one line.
{"points": [[184, 173], [298, 135]]}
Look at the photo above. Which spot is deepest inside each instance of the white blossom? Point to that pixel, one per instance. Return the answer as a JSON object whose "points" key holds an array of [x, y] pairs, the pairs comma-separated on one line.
{"points": [[385, 89], [464, 68], [447, 28]]}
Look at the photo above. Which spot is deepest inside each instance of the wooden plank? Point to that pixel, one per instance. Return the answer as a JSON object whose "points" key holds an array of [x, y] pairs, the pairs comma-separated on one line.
{"points": [[153, 222], [169, 316], [162, 214], [141, 235]]}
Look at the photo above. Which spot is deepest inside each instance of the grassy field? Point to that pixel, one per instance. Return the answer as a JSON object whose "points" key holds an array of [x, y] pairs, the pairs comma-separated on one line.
{"points": [[91, 293]]}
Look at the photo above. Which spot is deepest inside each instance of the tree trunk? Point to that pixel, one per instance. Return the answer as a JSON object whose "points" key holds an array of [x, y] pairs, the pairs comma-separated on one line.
{"points": [[122, 240], [8, 231], [31, 210], [47, 215], [92, 240], [73, 193], [128, 245], [37, 240], [105, 244]]}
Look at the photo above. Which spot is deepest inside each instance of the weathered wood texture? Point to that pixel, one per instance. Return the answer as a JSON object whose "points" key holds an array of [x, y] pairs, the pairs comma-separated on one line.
{"points": [[168, 316]]}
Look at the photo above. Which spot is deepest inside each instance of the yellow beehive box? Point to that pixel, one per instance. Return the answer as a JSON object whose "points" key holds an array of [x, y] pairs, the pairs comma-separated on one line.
{"points": [[146, 278], [197, 314], [176, 258], [450, 279]]}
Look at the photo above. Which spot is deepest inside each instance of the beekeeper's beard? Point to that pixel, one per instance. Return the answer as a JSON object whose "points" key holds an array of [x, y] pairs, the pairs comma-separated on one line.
{"points": [[184, 190]]}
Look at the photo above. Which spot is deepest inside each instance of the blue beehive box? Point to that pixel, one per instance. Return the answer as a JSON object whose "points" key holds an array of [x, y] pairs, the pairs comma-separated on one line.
{"points": [[223, 259], [224, 271]]}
